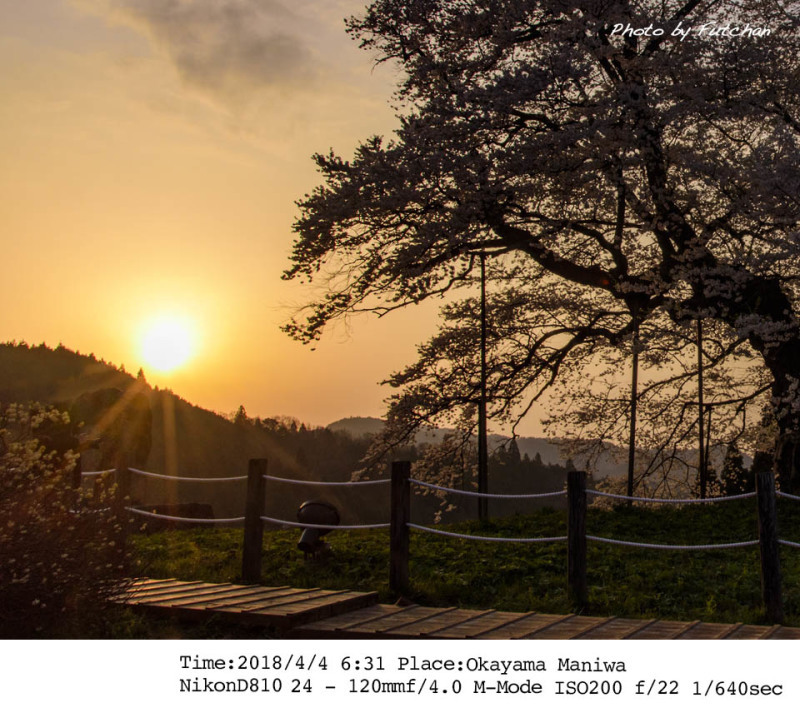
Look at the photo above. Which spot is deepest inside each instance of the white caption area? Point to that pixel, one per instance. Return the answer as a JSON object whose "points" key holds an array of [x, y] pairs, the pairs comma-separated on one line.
{"points": [[431, 673]]}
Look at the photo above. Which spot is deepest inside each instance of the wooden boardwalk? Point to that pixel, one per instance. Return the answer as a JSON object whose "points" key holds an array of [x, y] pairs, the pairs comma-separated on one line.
{"points": [[342, 614]]}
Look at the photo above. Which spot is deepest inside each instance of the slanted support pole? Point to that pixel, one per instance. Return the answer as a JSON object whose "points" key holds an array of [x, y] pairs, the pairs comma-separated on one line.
{"points": [[398, 528], [253, 525]]}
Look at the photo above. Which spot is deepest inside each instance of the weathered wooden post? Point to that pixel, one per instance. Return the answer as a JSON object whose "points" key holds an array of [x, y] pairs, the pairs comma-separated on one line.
{"points": [[398, 527], [253, 525], [576, 536], [768, 542]]}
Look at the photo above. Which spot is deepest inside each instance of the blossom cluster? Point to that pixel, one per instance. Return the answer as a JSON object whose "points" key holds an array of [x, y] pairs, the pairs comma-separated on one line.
{"points": [[62, 550]]}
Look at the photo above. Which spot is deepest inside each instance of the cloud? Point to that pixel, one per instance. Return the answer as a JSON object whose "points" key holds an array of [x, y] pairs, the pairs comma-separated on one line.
{"points": [[231, 50]]}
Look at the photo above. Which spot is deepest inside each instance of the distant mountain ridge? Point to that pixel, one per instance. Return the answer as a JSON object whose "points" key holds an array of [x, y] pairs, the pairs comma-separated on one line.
{"points": [[547, 448]]}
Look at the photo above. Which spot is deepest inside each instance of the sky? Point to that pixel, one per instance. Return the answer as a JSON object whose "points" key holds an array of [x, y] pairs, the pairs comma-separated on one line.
{"points": [[153, 152]]}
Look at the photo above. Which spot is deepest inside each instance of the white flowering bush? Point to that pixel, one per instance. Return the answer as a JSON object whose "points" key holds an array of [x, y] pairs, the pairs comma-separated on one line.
{"points": [[62, 550]]}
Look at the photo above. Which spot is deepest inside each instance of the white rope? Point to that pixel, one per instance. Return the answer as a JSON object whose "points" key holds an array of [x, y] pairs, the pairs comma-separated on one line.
{"points": [[669, 501], [184, 518], [94, 473], [792, 544], [486, 538], [788, 496], [486, 495], [666, 547], [322, 526], [187, 479], [327, 484]]}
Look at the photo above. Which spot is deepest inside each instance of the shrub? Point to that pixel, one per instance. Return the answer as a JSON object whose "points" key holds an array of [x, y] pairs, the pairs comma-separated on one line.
{"points": [[62, 550]]}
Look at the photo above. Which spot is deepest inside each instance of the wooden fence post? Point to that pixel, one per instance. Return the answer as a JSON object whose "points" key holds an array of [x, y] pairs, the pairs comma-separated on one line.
{"points": [[576, 536], [253, 525], [768, 542], [398, 531]]}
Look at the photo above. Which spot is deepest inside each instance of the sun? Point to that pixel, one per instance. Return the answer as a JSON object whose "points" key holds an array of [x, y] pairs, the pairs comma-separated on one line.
{"points": [[168, 342]]}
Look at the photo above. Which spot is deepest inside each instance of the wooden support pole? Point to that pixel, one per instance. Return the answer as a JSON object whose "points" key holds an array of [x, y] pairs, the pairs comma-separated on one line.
{"points": [[576, 536], [398, 528], [768, 542], [253, 525]]}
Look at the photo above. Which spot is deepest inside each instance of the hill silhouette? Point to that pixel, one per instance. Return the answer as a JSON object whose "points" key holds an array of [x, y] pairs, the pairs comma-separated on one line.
{"points": [[181, 439], [112, 410]]}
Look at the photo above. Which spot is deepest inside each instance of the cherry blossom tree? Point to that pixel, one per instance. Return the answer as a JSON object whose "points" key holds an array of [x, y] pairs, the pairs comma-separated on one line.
{"points": [[620, 162]]}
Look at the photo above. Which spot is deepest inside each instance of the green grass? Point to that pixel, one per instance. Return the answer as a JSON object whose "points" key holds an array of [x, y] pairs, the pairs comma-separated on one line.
{"points": [[712, 586]]}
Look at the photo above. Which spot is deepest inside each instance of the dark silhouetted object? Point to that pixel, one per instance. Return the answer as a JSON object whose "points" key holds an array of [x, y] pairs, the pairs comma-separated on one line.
{"points": [[316, 513]]}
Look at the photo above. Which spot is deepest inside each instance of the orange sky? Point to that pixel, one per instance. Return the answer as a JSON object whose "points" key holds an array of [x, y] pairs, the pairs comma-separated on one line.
{"points": [[152, 154]]}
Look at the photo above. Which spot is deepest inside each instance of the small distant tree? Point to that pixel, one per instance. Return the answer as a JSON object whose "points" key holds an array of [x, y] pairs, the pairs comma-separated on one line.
{"points": [[240, 417], [62, 552]]}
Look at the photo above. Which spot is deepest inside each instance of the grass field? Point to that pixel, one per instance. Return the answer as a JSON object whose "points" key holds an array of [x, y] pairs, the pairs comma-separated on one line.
{"points": [[712, 586]]}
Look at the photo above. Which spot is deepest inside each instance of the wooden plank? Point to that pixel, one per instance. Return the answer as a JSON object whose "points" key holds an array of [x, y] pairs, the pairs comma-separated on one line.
{"points": [[525, 626], [142, 585], [660, 630], [427, 627], [349, 625], [501, 621], [748, 631], [276, 603], [165, 596], [156, 587], [202, 596], [244, 599], [599, 624], [405, 617], [479, 625], [224, 598], [305, 612], [680, 633], [787, 633], [710, 630], [770, 632], [173, 587], [152, 582], [618, 628], [571, 627]]}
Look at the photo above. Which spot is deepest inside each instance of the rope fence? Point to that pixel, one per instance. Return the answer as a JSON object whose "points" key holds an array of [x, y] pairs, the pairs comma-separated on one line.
{"points": [[173, 478], [485, 495], [400, 522], [497, 539], [660, 500], [672, 547], [327, 527], [167, 517], [318, 483]]}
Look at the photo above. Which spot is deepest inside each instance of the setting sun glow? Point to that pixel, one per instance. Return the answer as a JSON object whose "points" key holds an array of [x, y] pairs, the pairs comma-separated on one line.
{"points": [[168, 343]]}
